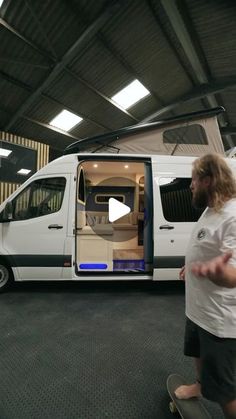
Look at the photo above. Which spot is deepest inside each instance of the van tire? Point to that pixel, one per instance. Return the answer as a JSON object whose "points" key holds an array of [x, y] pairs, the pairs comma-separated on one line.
{"points": [[6, 277]]}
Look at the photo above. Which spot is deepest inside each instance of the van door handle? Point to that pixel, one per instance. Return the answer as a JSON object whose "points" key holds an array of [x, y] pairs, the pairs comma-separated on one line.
{"points": [[56, 226], [166, 227]]}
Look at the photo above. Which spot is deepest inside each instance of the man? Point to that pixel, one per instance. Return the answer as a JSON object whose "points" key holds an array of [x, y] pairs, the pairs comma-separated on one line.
{"points": [[210, 272]]}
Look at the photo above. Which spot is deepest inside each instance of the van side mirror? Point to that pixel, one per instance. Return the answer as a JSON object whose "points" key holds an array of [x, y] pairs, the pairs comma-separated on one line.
{"points": [[7, 213]]}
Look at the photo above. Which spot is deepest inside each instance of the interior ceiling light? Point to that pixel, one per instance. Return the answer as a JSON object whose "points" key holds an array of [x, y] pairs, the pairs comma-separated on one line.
{"points": [[24, 171], [3, 151], [131, 94], [65, 120]]}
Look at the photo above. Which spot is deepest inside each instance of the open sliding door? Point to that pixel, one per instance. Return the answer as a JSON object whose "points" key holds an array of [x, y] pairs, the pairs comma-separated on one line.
{"points": [[112, 231]]}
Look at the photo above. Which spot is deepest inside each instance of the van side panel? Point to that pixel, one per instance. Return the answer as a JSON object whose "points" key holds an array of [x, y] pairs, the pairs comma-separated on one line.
{"points": [[170, 237], [35, 244]]}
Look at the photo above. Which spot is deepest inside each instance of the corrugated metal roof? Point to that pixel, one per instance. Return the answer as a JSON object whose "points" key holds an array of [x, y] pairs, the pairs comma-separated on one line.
{"points": [[12, 96], [216, 29], [148, 52], [78, 54]]}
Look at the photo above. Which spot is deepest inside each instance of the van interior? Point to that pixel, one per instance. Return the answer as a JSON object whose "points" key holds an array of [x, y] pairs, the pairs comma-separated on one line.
{"points": [[118, 246]]}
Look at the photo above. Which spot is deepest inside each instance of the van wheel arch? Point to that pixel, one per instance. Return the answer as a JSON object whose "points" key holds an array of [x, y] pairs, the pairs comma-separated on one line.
{"points": [[6, 275]]}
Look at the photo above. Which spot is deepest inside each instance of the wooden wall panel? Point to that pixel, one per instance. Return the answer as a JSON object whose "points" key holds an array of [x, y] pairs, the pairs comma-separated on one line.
{"points": [[7, 189]]}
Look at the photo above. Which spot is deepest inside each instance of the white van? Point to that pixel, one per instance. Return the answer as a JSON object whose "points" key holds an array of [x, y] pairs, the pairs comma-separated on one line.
{"points": [[67, 221]]}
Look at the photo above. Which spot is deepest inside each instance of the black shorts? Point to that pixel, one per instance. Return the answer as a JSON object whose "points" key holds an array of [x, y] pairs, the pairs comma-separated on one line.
{"points": [[218, 357]]}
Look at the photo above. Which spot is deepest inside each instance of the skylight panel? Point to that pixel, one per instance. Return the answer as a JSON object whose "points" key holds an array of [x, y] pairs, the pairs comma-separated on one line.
{"points": [[65, 120], [4, 152], [24, 171], [131, 94]]}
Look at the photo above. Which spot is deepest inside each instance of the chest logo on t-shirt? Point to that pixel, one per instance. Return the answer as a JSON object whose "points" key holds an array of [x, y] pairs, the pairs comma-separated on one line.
{"points": [[201, 234]]}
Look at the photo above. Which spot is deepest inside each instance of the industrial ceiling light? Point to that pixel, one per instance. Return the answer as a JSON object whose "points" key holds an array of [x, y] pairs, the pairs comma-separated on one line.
{"points": [[24, 171], [3, 151], [65, 120], [131, 94]]}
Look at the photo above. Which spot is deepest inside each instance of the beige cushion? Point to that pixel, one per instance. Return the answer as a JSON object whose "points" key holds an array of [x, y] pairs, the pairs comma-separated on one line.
{"points": [[101, 229], [124, 220], [124, 227], [98, 217]]}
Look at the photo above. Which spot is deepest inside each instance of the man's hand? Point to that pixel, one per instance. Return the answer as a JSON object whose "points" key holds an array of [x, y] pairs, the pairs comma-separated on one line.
{"points": [[217, 270]]}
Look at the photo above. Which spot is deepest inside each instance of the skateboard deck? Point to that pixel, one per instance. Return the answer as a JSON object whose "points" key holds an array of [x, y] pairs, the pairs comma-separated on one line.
{"points": [[187, 409]]}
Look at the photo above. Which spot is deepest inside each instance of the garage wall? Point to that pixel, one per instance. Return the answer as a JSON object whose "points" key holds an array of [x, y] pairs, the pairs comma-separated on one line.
{"points": [[42, 159]]}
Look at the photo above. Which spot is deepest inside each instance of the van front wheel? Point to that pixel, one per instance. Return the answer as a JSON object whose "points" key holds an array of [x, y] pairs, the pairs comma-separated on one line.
{"points": [[6, 277]]}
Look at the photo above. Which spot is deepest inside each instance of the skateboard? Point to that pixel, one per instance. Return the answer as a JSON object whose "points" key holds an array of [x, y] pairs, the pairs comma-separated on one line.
{"points": [[187, 409]]}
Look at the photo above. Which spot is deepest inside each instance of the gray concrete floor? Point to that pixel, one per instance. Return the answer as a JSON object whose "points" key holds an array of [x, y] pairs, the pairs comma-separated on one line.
{"points": [[91, 350]]}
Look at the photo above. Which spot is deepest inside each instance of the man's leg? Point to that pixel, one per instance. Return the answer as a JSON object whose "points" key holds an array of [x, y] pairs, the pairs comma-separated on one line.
{"points": [[219, 371], [192, 349], [192, 390], [229, 409]]}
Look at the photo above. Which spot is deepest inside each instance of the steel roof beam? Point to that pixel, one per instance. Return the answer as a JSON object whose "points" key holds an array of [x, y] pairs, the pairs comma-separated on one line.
{"points": [[47, 126], [183, 36], [15, 81], [77, 10], [126, 65], [57, 102], [11, 60], [25, 40], [199, 92], [187, 70], [229, 130], [66, 59], [177, 14], [60, 131], [189, 46], [106, 98], [22, 85], [41, 29]]}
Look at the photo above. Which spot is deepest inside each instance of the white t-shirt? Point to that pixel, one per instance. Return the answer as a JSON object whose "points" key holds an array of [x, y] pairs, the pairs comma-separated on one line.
{"points": [[210, 306]]}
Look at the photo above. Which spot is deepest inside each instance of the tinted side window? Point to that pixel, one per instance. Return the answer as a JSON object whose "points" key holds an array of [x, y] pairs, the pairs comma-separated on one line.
{"points": [[189, 134], [176, 200], [41, 197]]}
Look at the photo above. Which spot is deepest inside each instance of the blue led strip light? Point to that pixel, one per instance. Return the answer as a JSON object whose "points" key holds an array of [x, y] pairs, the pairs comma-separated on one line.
{"points": [[93, 266]]}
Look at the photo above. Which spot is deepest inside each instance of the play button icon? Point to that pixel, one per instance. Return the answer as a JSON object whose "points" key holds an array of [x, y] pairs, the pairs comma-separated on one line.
{"points": [[115, 220], [117, 209]]}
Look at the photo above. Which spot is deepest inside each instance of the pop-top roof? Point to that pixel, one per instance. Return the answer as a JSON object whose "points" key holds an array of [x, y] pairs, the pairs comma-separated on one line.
{"points": [[190, 134]]}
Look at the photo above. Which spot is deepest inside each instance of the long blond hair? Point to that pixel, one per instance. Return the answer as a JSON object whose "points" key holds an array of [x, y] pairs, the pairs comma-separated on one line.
{"points": [[223, 183]]}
